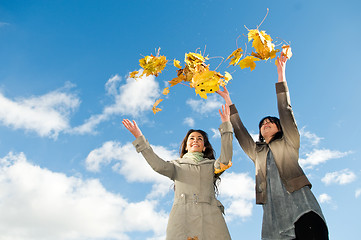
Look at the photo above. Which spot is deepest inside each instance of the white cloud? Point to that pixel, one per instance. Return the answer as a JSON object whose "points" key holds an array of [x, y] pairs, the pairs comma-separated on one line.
{"points": [[255, 136], [204, 106], [358, 193], [47, 115], [319, 156], [216, 133], [127, 162], [237, 194], [341, 177], [310, 137], [112, 85], [38, 204], [189, 121], [325, 198], [132, 99]]}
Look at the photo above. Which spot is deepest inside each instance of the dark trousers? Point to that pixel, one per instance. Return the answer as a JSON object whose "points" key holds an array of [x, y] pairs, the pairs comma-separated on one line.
{"points": [[311, 227]]}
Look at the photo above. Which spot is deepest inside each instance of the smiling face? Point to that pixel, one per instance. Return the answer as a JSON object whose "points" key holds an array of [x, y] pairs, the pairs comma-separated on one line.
{"points": [[195, 142], [268, 129]]}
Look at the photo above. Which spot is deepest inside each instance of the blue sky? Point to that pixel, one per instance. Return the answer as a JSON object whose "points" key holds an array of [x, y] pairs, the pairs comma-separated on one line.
{"points": [[68, 169]]}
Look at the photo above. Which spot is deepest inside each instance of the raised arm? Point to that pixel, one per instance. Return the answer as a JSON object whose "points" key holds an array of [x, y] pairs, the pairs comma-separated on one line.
{"points": [[142, 145], [244, 138], [285, 111]]}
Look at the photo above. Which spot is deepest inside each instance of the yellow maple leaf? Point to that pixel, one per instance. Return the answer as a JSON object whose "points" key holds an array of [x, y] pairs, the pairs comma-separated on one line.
{"points": [[248, 61], [227, 77], [166, 91], [176, 63], [286, 50], [154, 108], [133, 74], [152, 65], [262, 43], [223, 167], [194, 59], [206, 82], [236, 56]]}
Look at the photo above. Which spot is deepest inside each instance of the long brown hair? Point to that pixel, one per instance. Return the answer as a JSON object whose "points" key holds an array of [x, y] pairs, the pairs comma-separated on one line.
{"points": [[208, 153]]}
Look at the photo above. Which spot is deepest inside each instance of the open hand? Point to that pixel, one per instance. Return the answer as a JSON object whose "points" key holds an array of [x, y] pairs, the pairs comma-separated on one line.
{"points": [[132, 127], [225, 113]]}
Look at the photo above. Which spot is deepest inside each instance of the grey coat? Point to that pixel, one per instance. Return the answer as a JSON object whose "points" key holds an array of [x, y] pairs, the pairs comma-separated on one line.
{"points": [[195, 212]]}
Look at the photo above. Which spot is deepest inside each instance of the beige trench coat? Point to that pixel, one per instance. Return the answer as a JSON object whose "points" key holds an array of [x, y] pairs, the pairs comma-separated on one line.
{"points": [[195, 212]]}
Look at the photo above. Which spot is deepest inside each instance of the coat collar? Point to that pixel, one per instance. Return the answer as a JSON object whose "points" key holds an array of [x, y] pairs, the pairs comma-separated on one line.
{"points": [[190, 161]]}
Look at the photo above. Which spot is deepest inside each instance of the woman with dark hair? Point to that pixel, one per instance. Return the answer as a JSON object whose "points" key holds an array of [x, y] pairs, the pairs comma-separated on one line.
{"points": [[196, 213], [290, 210]]}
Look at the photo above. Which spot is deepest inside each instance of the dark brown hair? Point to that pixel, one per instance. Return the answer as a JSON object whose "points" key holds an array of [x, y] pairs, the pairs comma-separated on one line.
{"points": [[274, 120], [208, 152]]}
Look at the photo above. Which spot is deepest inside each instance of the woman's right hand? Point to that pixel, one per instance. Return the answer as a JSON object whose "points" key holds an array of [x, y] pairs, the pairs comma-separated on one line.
{"points": [[132, 127], [225, 95]]}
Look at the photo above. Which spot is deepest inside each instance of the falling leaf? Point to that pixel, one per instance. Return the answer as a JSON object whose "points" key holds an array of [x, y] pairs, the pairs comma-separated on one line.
{"points": [[155, 109], [248, 61], [153, 65], [176, 63], [206, 82], [223, 167], [236, 56], [166, 91], [133, 74], [227, 77], [262, 43], [286, 51]]}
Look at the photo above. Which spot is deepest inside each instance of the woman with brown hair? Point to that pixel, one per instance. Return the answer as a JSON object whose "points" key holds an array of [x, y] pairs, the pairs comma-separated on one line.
{"points": [[196, 213]]}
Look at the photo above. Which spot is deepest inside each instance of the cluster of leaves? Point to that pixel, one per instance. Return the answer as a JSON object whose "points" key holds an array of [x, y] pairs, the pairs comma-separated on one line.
{"points": [[196, 74], [264, 50], [152, 65]]}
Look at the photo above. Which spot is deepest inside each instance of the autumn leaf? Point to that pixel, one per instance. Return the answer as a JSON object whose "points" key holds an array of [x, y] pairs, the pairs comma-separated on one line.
{"points": [[262, 43], [166, 91], [286, 51], [227, 77], [133, 74], [236, 56], [176, 63], [193, 60], [223, 167], [153, 65], [248, 61], [155, 109], [206, 82]]}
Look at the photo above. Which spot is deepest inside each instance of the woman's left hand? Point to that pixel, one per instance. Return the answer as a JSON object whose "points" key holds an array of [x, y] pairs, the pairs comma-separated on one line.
{"points": [[225, 113]]}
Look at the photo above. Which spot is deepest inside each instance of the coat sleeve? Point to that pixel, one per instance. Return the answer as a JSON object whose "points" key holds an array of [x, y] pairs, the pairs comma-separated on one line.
{"points": [[244, 138], [225, 159], [287, 119], [158, 164]]}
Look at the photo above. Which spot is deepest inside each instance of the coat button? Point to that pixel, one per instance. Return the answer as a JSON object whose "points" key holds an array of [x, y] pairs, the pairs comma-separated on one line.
{"points": [[182, 195]]}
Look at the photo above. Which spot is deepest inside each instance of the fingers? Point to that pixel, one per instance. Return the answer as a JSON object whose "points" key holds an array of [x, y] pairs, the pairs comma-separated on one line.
{"points": [[224, 113], [128, 124]]}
